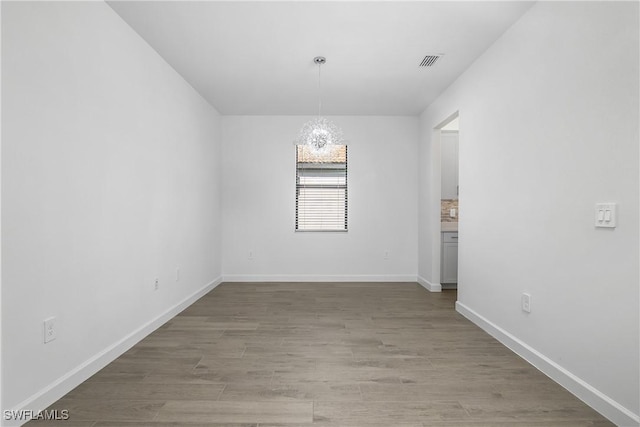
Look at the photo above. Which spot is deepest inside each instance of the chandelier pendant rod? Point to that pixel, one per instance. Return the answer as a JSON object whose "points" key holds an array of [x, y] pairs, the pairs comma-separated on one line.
{"points": [[319, 60], [319, 90]]}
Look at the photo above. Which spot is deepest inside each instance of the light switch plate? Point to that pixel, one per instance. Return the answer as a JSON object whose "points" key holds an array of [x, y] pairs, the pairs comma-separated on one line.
{"points": [[605, 215], [526, 302], [49, 329]]}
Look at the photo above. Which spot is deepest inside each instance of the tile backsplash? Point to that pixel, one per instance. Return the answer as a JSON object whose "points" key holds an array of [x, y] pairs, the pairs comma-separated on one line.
{"points": [[445, 207]]}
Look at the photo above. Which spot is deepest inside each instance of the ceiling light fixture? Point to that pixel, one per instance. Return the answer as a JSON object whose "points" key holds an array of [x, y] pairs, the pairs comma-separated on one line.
{"points": [[319, 134]]}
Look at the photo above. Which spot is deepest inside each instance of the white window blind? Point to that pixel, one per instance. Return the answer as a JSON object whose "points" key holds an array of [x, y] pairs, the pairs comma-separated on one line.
{"points": [[321, 189]]}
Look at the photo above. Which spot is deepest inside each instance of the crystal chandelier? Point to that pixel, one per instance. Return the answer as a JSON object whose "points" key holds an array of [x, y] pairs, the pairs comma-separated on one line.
{"points": [[320, 134]]}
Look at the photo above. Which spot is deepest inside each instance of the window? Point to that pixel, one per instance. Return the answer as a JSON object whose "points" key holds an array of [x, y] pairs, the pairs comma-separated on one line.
{"points": [[321, 189]]}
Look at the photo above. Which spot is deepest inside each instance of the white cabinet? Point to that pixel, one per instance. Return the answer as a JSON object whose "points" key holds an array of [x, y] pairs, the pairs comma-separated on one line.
{"points": [[449, 258], [449, 164]]}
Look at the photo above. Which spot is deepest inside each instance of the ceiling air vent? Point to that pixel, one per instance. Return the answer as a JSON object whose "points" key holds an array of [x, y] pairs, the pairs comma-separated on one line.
{"points": [[430, 60]]}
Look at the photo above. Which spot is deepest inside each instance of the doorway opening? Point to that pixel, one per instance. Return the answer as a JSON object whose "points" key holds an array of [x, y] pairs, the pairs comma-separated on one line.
{"points": [[448, 132]]}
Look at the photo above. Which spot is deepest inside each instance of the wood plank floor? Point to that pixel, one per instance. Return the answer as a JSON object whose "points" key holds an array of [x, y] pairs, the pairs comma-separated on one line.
{"points": [[327, 354]]}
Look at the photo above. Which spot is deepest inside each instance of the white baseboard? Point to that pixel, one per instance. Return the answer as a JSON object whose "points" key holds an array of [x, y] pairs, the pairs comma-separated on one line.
{"points": [[318, 278], [431, 287], [63, 385], [599, 401]]}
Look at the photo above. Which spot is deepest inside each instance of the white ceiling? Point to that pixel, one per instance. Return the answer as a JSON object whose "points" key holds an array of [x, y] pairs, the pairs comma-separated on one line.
{"points": [[256, 58]]}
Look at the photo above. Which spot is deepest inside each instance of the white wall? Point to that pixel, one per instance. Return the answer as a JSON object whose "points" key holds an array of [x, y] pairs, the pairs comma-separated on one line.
{"points": [[548, 128], [1, 407], [258, 200], [109, 180]]}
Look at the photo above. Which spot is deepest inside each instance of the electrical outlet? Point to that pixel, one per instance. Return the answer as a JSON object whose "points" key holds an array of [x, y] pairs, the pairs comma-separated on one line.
{"points": [[49, 329], [386, 254], [250, 257], [156, 285], [526, 302], [178, 274]]}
